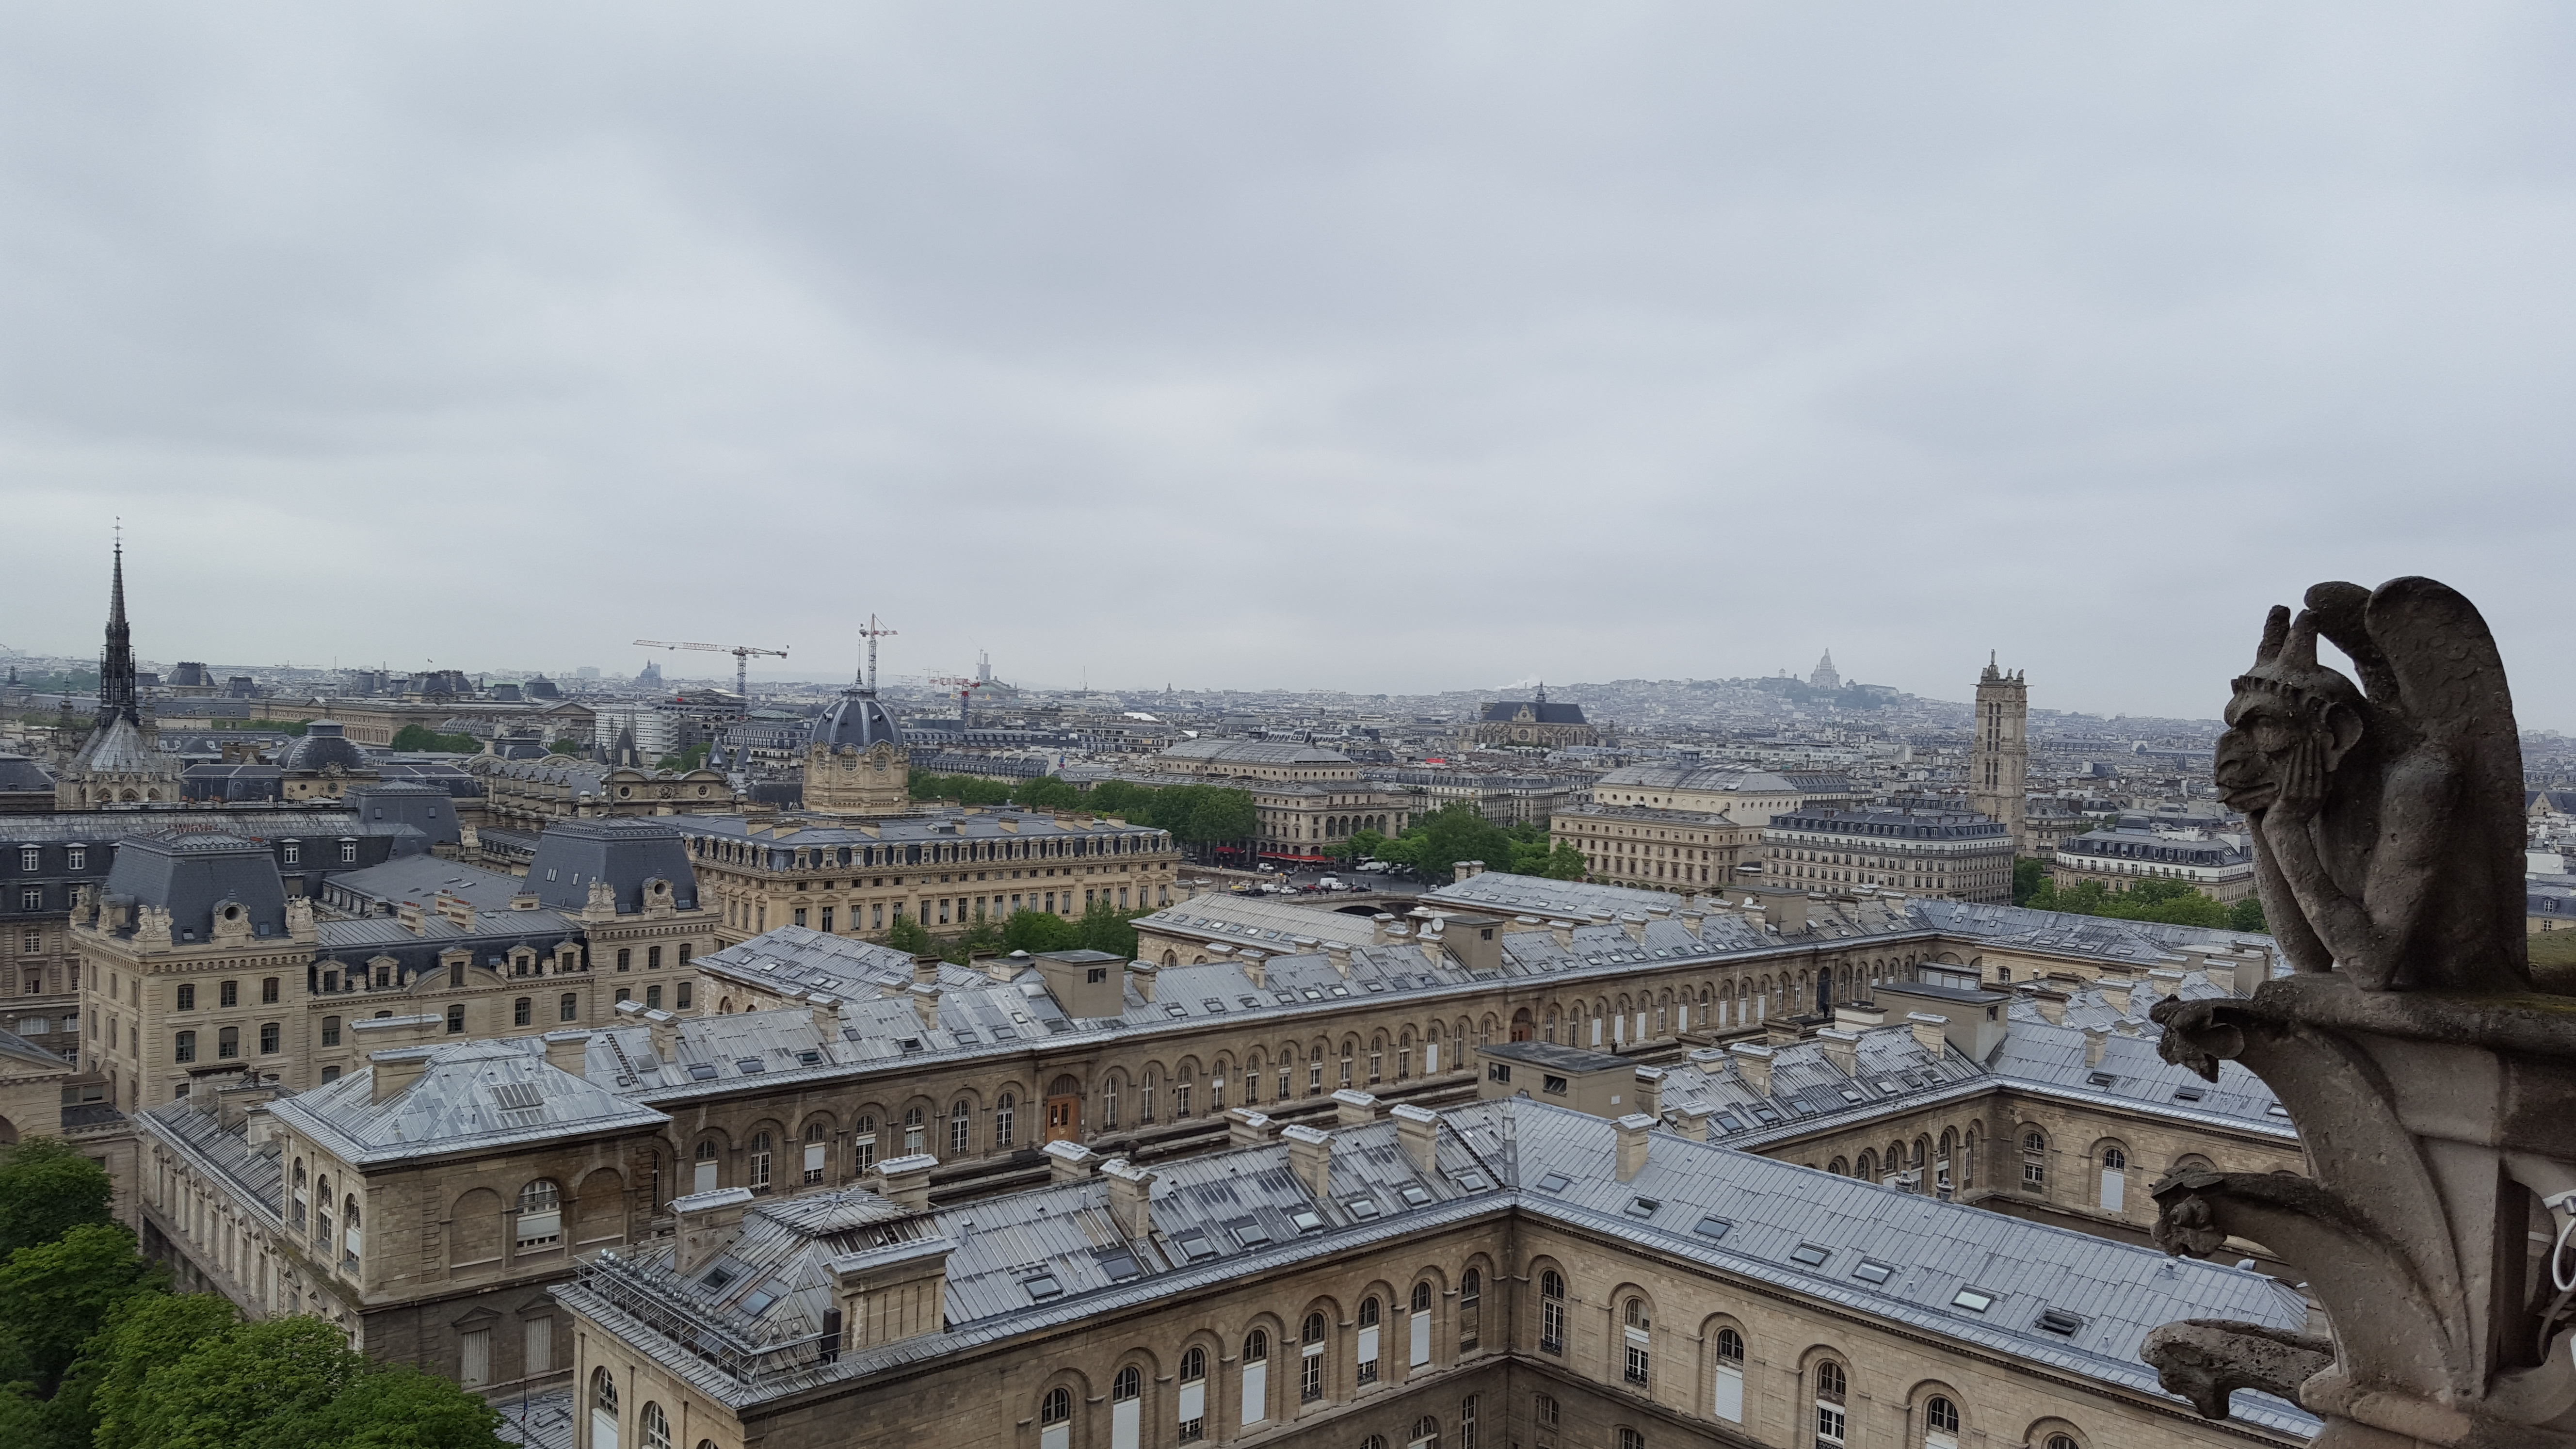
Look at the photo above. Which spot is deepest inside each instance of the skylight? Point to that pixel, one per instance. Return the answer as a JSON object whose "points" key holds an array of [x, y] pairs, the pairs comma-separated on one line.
{"points": [[717, 1277], [1195, 1246], [1555, 1182], [1642, 1207], [1362, 1208], [1712, 1227], [1472, 1181], [1810, 1254], [1119, 1264], [1042, 1287], [1414, 1194], [2058, 1320], [1972, 1300], [1306, 1220], [1873, 1271], [702, 1071], [748, 1065], [1249, 1232]]}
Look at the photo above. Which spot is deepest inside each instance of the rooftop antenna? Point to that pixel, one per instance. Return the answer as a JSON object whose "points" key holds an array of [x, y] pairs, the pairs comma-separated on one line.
{"points": [[873, 632]]}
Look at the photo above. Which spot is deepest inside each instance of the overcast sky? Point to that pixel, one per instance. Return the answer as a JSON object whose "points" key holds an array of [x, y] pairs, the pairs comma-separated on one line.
{"points": [[1341, 346]]}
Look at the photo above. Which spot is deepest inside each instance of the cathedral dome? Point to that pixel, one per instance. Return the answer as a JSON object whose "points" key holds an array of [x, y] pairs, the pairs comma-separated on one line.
{"points": [[856, 720], [324, 744]]}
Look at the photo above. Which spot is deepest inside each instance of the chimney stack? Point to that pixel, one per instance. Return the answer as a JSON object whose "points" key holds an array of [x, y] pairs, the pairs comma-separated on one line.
{"points": [[1340, 956], [1632, 1130], [1930, 1032], [2052, 1006], [2165, 980], [1131, 1197], [1382, 923], [925, 1004], [1070, 1161], [1353, 1108], [1650, 1091], [1635, 926], [568, 1051], [2115, 990], [707, 1222], [1754, 1062], [1842, 1048], [1246, 1128], [663, 1030], [1694, 1124], [1143, 975], [2095, 1039], [1564, 933], [1417, 1131], [1692, 919], [925, 970], [905, 1181], [1256, 969], [394, 1069], [1310, 1156]]}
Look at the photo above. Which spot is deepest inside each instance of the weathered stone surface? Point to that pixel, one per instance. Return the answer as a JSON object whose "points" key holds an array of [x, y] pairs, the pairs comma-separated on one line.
{"points": [[2207, 1359]]}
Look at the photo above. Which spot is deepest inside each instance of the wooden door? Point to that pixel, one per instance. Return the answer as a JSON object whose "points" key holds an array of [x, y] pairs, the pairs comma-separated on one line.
{"points": [[1064, 1118]]}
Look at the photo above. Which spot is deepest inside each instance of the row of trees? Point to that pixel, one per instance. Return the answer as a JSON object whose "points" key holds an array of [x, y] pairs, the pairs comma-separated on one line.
{"points": [[1198, 816], [1102, 927], [97, 1353], [2156, 898], [422, 737], [1457, 831]]}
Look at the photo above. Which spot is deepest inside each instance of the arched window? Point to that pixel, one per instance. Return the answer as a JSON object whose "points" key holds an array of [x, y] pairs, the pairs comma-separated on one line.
{"points": [[603, 1409], [1005, 1115], [1940, 1423], [1310, 1350], [761, 1152], [1471, 1309], [1055, 1419], [1630, 1438], [1551, 1306], [814, 1150], [1256, 1376], [703, 1167], [654, 1426], [1728, 1395], [349, 1234], [2061, 1441], [961, 1128], [863, 1142], [1368, 1349], [2114, 1159], [1126, 1386], [1831, 1388], [540, 1215], [1193, 1411], [1636, 1330], [2034, 1162], [1426, 1434], [915, 1123]]}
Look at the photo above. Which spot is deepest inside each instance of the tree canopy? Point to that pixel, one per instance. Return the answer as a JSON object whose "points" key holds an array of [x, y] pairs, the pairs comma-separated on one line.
{"points": [[2167, 902], [1194, 814], [48, 1188], [420, 737], [1434, 843]]}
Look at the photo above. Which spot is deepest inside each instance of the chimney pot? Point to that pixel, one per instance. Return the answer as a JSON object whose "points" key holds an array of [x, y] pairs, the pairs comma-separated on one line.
{"points": [[905, 1181], [1563, 931], [1131, 1197], [1246, 1128], [1754, 1063], [568, 1051], [1650, 1091], [2095, 1041], [1932, 1033], [706, 1223], [1842, 1048]]}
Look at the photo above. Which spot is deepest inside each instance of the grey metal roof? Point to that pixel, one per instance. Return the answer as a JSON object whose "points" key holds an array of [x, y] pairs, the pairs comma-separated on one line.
{"points": [[808, 831], [192, 874], [22, 776], [467, 1095], [574, 855], [1258, 920], [422, 878], [856, 721], [1254, 752], [1034, 1262]]}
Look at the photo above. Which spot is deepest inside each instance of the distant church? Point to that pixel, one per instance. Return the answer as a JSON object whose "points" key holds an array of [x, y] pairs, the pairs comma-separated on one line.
{"points": [[1826, 676], [121, 762], [1534, 721]]}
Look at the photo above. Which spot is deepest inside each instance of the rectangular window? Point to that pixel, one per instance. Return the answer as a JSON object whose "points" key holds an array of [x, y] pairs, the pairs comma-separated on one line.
{"points": [[185, 1050], [474, 1358], [814, 1162], [568, 1008], [187, 998], [330, 1031], [227, 1043], [523, 1011], [228, 994], [827, 920], [268, 991], [1310, 1383], [348, 852], [680, 997], [268, 1038], [541, 1346], [800, 915], [32, 898], [456, 1019]]}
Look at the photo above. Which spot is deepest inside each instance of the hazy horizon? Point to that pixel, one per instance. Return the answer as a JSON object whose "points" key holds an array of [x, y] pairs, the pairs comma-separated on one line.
{"points": [[1390, 351]]}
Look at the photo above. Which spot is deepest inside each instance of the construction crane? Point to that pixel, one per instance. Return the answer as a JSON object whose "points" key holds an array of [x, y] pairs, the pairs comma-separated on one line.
{"points": [[872, 634], [965, 696], [741, 661]]}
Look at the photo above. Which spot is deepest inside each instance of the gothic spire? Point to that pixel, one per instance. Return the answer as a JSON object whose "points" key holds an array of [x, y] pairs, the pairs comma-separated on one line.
{"points": [[117, 695]]}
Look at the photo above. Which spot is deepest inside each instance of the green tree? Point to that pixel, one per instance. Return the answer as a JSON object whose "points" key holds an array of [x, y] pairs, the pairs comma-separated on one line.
{"points": [[1039, 931], [2247, 915], [420, 737], [55, 1295], [1105, 928], [908, 936], [1046, 792], [48, 1188], [291, 1383], [2028, 876], [143, 1333], [566, 746]]}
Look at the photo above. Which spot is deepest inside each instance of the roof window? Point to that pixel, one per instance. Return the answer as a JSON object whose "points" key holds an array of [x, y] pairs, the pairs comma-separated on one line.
{"points": [[1195, 1246], [1042, 1287], [1643, 1207], [749, 1065], [1873, 1271], [1810, 1254], [1119, 1264], [702, 1071], [2188, 1094], [1306, 1220], [1362, 1208], [1972, 1300], [1712, 1228], [717, 1277], [1414, 1194], [1472, 1181], [1249, 1232], [1555, 1182], [2058, 1320]]}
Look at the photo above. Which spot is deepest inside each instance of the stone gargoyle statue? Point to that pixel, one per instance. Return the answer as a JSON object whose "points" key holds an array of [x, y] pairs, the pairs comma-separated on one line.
{"points": [[2433, 1088]]}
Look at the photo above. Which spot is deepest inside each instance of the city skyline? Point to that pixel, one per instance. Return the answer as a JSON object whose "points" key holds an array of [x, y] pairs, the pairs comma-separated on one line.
{"points": [[1496, 345]]}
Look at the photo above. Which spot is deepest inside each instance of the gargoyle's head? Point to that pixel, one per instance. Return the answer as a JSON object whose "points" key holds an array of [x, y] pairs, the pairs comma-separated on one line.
{"points": [[2288, 706]]}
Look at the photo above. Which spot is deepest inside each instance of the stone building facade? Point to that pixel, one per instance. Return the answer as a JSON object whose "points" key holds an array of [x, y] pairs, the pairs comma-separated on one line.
{"points": [[2136, 849], [1915, 847], [946, 869], [1658, 850], [1305, 797], [1533, 722]]}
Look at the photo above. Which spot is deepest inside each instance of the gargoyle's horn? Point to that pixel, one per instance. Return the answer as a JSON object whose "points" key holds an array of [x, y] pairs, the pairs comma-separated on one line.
{"points": [[2299, 652], [2276, 628]]}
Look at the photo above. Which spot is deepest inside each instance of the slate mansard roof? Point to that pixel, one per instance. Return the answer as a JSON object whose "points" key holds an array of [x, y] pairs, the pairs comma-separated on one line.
{"points": [[1030, 1263], [194, 874], [573, 855], [1541, 712]]}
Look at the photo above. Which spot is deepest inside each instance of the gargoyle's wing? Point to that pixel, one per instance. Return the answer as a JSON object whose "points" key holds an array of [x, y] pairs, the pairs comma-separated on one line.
{"points": [[2450, 681]]}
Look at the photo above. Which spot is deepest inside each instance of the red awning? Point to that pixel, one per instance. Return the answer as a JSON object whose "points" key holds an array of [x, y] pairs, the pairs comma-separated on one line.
{"points": [[1284, 855]]}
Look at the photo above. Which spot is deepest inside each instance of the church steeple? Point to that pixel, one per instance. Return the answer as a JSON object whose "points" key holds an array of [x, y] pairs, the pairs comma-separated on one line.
{"points": [[117, 695]]}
